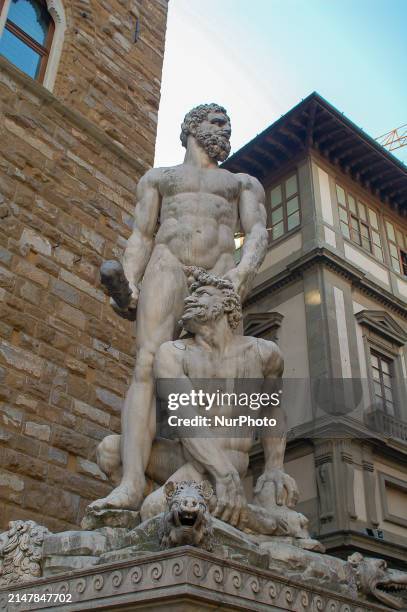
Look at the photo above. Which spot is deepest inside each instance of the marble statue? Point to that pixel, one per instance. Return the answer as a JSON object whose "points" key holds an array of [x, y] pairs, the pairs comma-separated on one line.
{"points": [[212, 351], [180, 283], [185, 215]]}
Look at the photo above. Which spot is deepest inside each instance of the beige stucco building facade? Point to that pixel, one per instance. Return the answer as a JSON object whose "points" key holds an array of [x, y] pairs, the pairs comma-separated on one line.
{"points": [[333, 292]]}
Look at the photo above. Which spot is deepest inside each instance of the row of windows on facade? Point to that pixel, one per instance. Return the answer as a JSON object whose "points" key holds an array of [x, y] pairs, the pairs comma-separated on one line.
{"points": [[27, 35], [283, 212], [359, 222]]}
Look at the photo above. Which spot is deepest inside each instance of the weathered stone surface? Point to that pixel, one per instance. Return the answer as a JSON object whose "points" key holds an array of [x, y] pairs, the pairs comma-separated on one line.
{"points": [[21, 552], [69, 166], [88, 543], [21, 359], [109, 399], [35, 241], [60, 564], [70, 441], [90, 468], [36, 430], [95, 519]]}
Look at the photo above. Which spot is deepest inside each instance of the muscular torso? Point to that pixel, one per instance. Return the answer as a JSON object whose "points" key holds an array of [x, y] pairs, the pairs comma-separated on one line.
{"points": [[199, 213], [241, 360], [245, 361]]}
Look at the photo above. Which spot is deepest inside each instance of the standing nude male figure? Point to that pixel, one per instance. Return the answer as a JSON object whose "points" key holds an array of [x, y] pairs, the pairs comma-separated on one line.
{"points": [[185, 215]]}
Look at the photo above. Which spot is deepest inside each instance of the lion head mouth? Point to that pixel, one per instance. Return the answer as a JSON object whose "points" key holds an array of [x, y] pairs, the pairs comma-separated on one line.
{"points": [[384, 589], [188, 519]]}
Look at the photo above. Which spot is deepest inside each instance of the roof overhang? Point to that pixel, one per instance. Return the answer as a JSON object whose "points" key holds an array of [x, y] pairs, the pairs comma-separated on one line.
{"points": [[314, 124]]}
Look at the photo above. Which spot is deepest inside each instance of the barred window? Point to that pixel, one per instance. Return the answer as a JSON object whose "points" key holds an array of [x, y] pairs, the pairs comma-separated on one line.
{"points": [[27, 36], [359, 223], [284, 208]]}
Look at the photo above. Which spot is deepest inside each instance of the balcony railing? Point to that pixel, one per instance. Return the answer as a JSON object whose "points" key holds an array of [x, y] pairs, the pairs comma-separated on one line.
{"points": [[386, 424]]}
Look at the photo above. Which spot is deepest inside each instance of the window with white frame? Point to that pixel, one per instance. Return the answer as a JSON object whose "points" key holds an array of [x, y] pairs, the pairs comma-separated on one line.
{"points": [[31, 36]]}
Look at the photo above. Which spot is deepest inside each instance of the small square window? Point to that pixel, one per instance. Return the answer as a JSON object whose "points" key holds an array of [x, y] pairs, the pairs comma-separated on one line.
{"points": [[278, 230], [293, 220], [362, 211], [341, 195], [277, 215], [276, 196], [293, 205], [291, 186]]}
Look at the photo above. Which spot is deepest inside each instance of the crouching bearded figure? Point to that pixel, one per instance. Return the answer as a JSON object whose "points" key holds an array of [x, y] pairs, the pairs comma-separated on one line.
{"points": [[212, 351]]}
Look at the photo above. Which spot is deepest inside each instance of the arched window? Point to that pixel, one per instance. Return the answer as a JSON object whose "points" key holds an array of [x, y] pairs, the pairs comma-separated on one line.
{"points": [[27, 36]]}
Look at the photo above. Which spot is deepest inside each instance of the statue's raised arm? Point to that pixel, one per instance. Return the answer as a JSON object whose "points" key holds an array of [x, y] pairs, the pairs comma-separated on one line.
{"points": [[252, 215]]}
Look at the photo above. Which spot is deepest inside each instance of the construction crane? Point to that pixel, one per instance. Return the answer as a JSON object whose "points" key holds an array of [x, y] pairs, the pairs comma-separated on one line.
{"points": [[395, 139]]}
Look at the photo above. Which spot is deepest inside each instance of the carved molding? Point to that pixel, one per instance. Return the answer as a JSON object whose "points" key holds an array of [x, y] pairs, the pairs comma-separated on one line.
{"points": [[177, 574], [382, 324], [260, 323], [322, 256]]}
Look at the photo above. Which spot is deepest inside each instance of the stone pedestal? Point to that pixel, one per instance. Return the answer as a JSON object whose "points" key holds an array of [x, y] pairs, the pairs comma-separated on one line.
{"points": [[183, 579]]}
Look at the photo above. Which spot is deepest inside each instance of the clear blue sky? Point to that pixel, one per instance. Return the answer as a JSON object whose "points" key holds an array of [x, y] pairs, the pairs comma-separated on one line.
{"points": [[261, 57]]}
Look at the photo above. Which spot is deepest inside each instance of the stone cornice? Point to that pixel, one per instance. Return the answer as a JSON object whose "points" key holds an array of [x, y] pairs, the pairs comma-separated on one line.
{"points": [[325, 257], [184, 573], [49, 100], [351, 540]]}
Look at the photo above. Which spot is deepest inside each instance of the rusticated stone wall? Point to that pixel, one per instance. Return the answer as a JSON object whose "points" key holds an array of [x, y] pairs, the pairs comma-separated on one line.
{"points": [[69, 165]]}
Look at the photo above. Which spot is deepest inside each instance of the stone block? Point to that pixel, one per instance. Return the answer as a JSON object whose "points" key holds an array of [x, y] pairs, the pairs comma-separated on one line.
{"points": [[89, 543], [11, 416], [82, 285], [11, 487], [29, 403], [70, 441], [36, 242], [7, 279], [90, 469], [60, 564], [20, 463], [36, 430], [110, 517], [46, 264], [5, 256], [75, 366], [26, 269], [65, 292], [92, 239], [54, 455], [91, 413], [109, 399], [22, 359], [73, 316], [28, 291], [44, 499]]}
